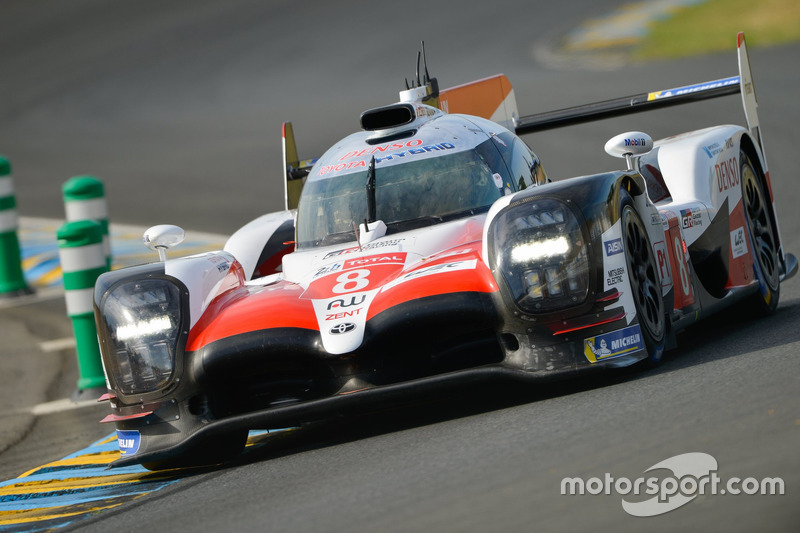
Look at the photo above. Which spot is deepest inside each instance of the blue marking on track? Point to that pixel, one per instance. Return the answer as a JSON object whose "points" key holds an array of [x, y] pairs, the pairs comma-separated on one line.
{"points": [[22, 508]]}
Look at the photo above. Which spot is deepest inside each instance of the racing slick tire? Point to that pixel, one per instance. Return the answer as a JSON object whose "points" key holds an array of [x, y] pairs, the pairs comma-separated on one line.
{"points": [[644, 280], [762, 238], [212, 451]]}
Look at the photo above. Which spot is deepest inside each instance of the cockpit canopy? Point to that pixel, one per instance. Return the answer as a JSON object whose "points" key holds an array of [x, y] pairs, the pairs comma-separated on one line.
{"points": [[450, 167]]}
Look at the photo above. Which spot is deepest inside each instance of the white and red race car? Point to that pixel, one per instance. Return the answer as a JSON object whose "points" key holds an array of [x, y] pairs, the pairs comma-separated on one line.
{"points": [[431, 249]]}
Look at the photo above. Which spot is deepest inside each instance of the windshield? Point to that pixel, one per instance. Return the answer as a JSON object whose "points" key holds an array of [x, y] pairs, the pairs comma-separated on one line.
{"points": [[407, 195]]}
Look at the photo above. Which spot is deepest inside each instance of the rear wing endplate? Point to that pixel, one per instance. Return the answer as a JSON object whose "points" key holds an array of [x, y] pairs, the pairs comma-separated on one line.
{"points": [[294, 170]]}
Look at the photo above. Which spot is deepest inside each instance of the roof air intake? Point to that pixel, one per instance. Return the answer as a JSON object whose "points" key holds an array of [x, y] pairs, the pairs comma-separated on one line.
{"points": [[387, 117]]}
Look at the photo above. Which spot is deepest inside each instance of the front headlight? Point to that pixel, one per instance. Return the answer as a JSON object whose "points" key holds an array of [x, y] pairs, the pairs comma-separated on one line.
{"points": [[142, 327], [540, 255]]}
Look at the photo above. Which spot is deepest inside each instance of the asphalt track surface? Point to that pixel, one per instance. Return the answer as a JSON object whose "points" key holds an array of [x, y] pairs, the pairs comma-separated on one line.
{"points": [[177, 106]]}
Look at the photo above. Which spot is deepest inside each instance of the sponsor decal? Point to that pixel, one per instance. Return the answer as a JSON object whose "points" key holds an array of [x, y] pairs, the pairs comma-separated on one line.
{"points": [[344, 314], [385, 259], [727, 174], [441, 268], [327, 269], [691, 218], [344, 327], [128, 441], [369, 246], [662, 257], [415, 151], [613, 344], [615, 276], [688, 89], [613, 247], [712, 149], [410, 148], [356, 299], [655, 219], [738, 242], [636, 141], [413, 143]]}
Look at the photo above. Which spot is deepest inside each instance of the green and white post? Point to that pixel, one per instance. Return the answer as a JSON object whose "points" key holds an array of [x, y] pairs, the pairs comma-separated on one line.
{"points": [[12, 280], [80, 249], [84, 199]]}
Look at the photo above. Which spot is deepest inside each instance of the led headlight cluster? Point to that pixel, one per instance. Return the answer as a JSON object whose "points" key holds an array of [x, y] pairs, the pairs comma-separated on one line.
{"points": [[142, 327], [541, 255]]}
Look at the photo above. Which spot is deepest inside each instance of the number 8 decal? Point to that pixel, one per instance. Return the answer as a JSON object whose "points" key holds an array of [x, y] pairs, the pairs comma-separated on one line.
{"points": [[352, 280], [681, 260]]}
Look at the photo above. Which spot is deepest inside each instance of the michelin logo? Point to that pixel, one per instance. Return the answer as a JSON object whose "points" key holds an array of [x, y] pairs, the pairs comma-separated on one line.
{"points": [[128, 441], [613, 344]]}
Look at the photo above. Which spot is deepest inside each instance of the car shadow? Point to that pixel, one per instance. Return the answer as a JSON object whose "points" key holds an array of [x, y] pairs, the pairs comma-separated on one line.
{"points": [[730, 333]]}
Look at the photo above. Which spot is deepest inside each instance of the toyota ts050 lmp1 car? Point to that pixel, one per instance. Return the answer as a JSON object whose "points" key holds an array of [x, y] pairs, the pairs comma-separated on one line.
{"points": [[431, 249]]}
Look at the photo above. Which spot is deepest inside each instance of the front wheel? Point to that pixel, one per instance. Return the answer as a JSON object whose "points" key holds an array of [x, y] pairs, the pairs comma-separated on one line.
{"points": [[762, 239], [645, 282]]}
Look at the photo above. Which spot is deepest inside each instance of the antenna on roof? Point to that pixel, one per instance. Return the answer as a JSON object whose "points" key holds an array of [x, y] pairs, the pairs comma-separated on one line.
{"points": [[427, 77], [419, 83]]}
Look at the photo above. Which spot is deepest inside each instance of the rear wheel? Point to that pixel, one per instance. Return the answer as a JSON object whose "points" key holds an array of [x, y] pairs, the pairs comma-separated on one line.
{"points": [[645, 283], [762, 238]]}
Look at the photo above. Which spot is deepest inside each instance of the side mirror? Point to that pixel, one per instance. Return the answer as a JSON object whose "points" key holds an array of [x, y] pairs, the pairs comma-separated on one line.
{"points": [[629, 144], [162, 237]]}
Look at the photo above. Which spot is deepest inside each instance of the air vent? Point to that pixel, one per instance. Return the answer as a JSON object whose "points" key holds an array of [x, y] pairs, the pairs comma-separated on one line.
{"points": [[387, 117]]}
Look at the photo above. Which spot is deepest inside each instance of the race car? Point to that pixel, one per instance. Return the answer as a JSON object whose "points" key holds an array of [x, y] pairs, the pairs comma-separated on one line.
{"points": [[430, 249]]}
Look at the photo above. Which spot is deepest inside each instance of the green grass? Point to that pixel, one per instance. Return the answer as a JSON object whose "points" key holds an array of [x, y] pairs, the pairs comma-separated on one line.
{"points": [[712, 27]]}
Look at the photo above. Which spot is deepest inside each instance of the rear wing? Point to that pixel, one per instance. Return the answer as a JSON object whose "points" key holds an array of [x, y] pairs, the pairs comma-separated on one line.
{"points": [[743, 84], [493, 98]]}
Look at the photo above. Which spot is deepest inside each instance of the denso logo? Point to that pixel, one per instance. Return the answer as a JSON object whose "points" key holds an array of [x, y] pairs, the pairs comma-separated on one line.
{"points": [[613, 247], [727, 174], [382, 149]]}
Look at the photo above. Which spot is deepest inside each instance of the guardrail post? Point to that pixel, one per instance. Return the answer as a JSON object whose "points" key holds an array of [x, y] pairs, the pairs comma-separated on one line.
{"points": [[12, 280], [80, 249], [84, 199]]}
